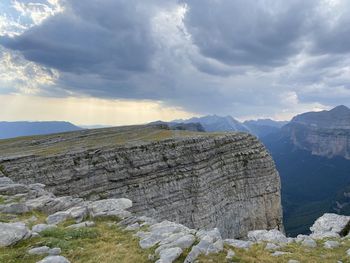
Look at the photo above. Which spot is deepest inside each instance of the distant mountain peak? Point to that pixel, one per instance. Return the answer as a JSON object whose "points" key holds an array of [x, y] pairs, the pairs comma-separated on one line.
{"points": [[340, 109]]}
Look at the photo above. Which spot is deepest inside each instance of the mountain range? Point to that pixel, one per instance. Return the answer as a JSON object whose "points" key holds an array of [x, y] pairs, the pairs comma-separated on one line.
{"points": [[311, 153], [25, 128]]}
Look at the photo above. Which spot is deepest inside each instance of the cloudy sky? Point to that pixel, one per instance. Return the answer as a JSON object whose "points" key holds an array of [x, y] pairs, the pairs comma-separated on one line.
{"points": [[132, 61]]}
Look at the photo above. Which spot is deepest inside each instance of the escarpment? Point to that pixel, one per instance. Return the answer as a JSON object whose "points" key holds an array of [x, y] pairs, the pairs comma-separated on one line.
{"points": [[201, 180]]}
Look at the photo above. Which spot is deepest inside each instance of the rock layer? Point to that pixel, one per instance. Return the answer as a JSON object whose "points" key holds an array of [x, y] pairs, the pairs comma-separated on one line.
{"points": [[227, 181]]}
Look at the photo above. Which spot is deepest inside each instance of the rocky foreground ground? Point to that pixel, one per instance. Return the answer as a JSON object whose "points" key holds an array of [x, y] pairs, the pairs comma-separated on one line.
{"points": [[36, 222]]}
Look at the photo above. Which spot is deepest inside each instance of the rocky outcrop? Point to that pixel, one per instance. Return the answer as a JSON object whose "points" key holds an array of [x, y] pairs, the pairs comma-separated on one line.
{"points": [[227, 181], [325, 133]]}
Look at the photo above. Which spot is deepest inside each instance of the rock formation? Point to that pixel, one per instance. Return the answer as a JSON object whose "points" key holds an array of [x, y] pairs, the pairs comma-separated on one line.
{"points": [[325, 133], [201, 180]]}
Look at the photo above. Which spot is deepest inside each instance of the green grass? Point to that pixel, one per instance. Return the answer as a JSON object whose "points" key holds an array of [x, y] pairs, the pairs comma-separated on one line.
{"points": [[47, 145], [111, 244]]}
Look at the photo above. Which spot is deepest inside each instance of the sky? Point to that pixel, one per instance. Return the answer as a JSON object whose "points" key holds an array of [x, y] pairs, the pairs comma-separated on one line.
{"points": [[119, 62]]}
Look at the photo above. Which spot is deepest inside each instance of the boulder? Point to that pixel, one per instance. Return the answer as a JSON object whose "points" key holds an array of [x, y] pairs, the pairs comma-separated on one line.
{"points": [[210, 242], [14, 208], [279, 253], [77, 213], [274, 236], [39, 250], [50, 204], [54, 259], [309, 242], [272, 246], [169, 255], [5, 180], [230, 254], [238, 243], [55, 251], [110, 207], [41, 227], [330, 244], [330, 225], [12, 233]]}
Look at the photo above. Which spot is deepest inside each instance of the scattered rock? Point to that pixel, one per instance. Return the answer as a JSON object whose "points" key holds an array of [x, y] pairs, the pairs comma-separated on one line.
{"points": [[330, 244], [54, 259], [293, 261], [274, 236], [55, 251], [110, 207], [39, 250], [230, 254], [12, 189], [309, 242], [14, 208], [133, 227], [272, 246], [41, 227], [238, 243], [348, 252], [329, 225], [169, 255], [11, 233], [82, 224]]}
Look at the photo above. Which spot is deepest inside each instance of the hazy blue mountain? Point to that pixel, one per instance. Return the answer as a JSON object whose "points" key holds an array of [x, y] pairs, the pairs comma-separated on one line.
{"points": [[212, 123], [264, 127], [24, 128], [311, 155]]}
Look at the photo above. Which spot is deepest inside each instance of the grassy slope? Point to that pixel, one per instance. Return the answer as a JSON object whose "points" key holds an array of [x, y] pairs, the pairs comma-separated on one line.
{"points": [[108, 243], [89, 139]]}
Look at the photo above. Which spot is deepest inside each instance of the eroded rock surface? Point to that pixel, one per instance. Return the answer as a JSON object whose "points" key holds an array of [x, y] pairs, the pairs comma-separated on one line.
{"points": [[201, 180]]}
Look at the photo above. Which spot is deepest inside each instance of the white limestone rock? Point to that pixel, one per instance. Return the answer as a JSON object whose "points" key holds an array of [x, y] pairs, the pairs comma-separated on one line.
{"points": [[273, 236], [279, 253], [169, 255], [329, 225], [110, 207], [230, 254], [239, 243], [309, 242], [54, 259], [330, 244], [12, 233], [41, 227], [272, 246], [39, 250]]}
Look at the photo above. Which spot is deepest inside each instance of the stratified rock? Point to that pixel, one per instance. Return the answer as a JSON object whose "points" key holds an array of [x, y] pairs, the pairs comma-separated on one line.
{"points": [[51, 204], [273, 236], [5, 180], [54, 259], [330, 225], [11, 233], [200, 180], [330, 244], [169, 255]]}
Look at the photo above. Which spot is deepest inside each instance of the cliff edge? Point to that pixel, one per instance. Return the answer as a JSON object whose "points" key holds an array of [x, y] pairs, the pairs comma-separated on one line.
{"points": [[201, 180]]}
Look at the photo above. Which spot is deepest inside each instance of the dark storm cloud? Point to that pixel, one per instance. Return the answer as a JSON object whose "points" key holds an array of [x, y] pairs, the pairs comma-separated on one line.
{"points": [[223, 55], [103, 37], [249, 32]]}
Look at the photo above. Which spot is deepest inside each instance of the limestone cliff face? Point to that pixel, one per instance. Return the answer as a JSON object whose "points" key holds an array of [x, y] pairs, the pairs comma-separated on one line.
{"points": [[201, 180], [325, 133]]}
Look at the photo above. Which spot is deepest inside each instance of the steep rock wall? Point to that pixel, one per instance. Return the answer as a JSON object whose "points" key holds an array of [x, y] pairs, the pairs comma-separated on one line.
{"points": [[225, 181]]}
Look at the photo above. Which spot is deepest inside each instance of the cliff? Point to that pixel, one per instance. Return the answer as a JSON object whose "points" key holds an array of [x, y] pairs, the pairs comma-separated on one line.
{"points": [[325, 133], [201, 180]]}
